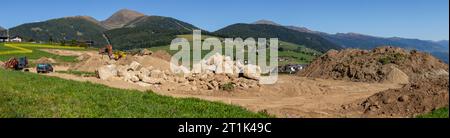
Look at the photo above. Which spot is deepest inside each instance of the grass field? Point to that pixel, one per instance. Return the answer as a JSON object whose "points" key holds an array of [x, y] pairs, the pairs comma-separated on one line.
{"points": [[27, 95], [79, 73], [32, 52], [439, 113]]}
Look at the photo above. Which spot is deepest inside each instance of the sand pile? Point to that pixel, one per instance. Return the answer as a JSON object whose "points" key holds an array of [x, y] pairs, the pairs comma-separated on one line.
{"points": [[44, 60]]}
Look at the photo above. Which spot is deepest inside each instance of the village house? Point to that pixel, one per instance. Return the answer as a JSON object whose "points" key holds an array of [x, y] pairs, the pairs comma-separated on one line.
{"points": [[16, 39], [3, 39]]}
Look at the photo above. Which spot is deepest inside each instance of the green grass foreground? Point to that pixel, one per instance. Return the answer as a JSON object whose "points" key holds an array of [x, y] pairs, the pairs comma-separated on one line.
{"points": [[439, 113], [27, 95]]}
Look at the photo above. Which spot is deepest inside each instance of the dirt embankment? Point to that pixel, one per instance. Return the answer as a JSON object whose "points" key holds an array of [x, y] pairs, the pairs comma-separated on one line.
{"points": [[425, 79]]}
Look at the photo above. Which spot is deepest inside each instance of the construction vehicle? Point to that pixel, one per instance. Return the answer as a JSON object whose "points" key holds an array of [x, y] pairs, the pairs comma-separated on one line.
{"points": [[44, 68], [119, 54], [17, 64], [108, 50]]}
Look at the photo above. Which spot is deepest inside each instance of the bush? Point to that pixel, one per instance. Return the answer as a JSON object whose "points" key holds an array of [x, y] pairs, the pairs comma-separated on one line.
{"points": [[392, 58], [227, 87]]}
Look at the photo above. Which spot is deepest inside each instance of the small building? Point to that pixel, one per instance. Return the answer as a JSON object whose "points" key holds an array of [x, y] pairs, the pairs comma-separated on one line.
{"points": [[89, 43], [16, 39], [291, 68], [3, 39]]}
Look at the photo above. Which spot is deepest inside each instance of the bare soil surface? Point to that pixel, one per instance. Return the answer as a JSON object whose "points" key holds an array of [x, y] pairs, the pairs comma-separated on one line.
{"points": [[291, 96]]}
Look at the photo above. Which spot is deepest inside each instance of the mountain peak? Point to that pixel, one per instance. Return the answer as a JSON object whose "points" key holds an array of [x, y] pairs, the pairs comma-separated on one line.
{"points": [[268, 22], [120, 18]]}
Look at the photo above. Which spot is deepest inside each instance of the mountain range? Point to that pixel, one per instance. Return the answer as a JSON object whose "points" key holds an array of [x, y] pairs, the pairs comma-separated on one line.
{"points": [[126, 29], [2, 31], [355, 40], [121, 18], [129, 29], [309, 40]]}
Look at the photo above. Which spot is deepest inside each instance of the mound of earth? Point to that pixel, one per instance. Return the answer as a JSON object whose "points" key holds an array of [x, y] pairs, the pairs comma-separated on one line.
{"points": [[91, 61], [411, 100], [44, 60], [372, 66], [425, 79], [162, 55]]}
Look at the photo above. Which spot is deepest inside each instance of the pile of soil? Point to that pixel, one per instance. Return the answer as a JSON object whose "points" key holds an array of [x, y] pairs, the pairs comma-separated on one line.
{"points": [[162, 55], [146, 61], [372, 66], [411, 100], [44, 60], [425, 79], [91, 61]]}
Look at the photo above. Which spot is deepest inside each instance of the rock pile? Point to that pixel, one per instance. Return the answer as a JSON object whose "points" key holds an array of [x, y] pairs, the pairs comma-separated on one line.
{"points": [[212, 74]]}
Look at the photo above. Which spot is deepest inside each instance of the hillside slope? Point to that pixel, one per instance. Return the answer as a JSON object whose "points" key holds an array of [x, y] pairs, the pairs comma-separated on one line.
{"points": [[148, 31], [312, 41], [80, 28], [438, 49], [2, 31]]}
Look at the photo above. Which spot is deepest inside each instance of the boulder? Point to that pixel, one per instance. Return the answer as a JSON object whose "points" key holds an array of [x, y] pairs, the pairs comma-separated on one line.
{"points": [[128, 76], [145, 52], [157, 74], [107, 72], [121, 70], [152, 80], [135, 66], [143, 72], [252, 71], [180, 70], [143, 84], [134, 78]]}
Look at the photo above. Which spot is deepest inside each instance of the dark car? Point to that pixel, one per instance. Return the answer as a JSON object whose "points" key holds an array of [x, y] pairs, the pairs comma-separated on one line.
{"points": [[44, 68], [22, 63]]}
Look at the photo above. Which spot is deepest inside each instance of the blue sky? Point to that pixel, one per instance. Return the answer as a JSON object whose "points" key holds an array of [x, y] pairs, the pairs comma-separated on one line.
{"points": [[423, 19]]}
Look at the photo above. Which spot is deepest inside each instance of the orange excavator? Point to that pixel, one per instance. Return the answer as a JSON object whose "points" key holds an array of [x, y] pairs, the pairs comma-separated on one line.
{"points": [[16, 64], [108, 50]]}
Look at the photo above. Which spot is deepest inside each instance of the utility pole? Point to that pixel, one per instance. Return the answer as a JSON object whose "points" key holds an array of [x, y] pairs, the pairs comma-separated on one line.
{"points": [[7, 35]]}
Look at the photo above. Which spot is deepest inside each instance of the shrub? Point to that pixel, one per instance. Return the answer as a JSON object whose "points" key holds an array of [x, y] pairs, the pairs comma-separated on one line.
{"points": [[227, 87]]}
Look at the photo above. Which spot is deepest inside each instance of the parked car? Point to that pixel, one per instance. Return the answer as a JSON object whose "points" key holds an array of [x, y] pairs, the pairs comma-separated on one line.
{"points": [[44, 68]]}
